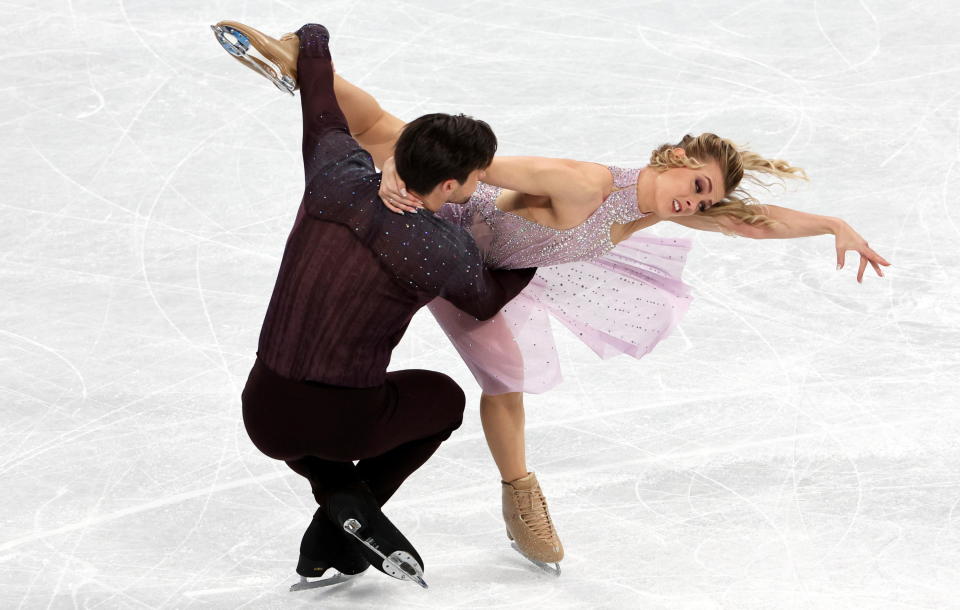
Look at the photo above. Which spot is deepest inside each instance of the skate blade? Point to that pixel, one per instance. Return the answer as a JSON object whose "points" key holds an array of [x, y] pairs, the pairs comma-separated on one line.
{"points": [[336, 579], [403, 566], [400, 564], [239, 46], [553, 570]]}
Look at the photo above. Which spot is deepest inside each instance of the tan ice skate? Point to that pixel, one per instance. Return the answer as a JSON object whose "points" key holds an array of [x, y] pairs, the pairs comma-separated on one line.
{"points": [[529, 525], [236, 39]]}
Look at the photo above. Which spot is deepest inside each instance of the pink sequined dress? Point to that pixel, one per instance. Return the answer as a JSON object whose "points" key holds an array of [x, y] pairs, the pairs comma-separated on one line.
{"points": [[617, 299]]}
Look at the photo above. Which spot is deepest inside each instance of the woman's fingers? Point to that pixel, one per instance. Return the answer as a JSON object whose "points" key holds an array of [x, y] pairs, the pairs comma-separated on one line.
{"points": [[401, 192], [867, 255], [879, 259], [390, 206], [411, 204], [863, 266], [399, 205], [412, 201], [393, 197], [875, 260]]}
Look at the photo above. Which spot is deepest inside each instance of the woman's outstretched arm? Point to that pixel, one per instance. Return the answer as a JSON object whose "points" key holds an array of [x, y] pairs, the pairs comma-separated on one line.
{"points": [[790, 224]]}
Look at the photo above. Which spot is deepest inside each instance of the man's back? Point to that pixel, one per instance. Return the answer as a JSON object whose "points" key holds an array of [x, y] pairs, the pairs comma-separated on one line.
{"points": [[328, 319], [353, 273]]}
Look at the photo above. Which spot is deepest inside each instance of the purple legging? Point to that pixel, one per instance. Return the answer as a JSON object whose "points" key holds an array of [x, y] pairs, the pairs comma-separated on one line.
{"points": [[319, 430]]}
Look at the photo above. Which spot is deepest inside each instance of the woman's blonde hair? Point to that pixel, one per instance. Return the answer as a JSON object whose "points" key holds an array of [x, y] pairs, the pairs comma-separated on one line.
{"points": [[734, 164]]}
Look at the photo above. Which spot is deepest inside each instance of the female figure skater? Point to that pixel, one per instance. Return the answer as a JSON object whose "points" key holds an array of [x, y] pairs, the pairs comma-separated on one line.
{"points": [[615, 288]]}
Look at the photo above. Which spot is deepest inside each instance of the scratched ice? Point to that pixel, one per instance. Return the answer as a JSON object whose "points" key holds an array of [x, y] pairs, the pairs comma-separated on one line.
{"points": [[793, 445]]}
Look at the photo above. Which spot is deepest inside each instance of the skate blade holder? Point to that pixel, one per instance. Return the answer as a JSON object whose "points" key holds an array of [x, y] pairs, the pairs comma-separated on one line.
{"points": [[400, 564], [237, 44], [553, 570]]}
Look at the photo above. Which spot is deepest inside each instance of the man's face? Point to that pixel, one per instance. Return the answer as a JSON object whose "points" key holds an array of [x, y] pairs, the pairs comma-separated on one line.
{"points": [[465, 190]]}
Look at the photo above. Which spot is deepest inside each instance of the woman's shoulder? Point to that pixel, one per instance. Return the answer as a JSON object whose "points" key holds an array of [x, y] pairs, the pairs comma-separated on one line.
{"points": [[484, 194], [597, 179], [587, 183], [587, 174]]}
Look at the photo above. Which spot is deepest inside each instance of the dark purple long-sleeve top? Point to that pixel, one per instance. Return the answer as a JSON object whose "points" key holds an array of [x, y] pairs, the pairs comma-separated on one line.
{"points": [[353, 273]]}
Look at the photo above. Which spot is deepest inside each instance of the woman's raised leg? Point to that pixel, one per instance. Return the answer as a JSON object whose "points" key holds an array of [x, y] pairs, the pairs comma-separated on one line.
{"points": [[374, 128]]}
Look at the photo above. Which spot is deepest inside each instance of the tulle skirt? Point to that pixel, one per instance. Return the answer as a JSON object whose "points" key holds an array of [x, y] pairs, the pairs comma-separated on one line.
{"points": [[624, 302]]}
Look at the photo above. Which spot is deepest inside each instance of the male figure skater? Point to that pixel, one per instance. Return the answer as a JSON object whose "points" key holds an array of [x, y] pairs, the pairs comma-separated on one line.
{"points": [[352, 276]]}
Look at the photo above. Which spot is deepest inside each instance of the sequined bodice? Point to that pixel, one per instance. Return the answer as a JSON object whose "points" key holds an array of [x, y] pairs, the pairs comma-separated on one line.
{"points": [[509, 241]]}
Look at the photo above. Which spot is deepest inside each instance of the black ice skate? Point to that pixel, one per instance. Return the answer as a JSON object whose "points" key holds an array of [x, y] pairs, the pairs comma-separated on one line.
{"points": [[356, 510], [325, 546]]}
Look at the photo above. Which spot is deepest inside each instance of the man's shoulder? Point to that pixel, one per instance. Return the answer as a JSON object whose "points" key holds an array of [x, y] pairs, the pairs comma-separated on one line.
{"points": [[350, 174], [427, 226], [425, 247]]}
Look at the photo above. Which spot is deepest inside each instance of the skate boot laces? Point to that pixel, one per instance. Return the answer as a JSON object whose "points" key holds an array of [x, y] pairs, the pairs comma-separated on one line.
{"points": [[535, 514]]}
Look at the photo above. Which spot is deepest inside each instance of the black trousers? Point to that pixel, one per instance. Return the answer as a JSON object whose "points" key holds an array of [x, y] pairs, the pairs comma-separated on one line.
{"points": [[319, 430]]}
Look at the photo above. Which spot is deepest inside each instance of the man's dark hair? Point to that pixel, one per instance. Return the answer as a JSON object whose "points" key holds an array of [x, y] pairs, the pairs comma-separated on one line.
{"points": [[438, 147]]}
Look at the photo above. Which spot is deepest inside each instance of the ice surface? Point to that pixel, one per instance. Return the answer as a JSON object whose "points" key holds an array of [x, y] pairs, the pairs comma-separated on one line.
{"points": [[794, 445]]}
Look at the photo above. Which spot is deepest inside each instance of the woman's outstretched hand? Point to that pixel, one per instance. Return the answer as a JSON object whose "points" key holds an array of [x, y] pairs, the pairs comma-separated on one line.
{"points": [[848, 239], [393, 191]]}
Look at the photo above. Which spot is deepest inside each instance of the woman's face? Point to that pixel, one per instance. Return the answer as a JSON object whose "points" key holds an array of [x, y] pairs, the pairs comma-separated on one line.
{"points": [[683, 192]]}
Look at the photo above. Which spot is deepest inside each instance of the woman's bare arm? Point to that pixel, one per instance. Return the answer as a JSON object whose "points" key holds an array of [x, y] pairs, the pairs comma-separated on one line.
{"points": [[791, 224], [570, 185], [543, 176]]}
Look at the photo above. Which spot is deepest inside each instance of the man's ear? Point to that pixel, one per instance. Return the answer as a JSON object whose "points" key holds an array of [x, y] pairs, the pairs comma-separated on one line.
{"points": [[448, 186]]}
